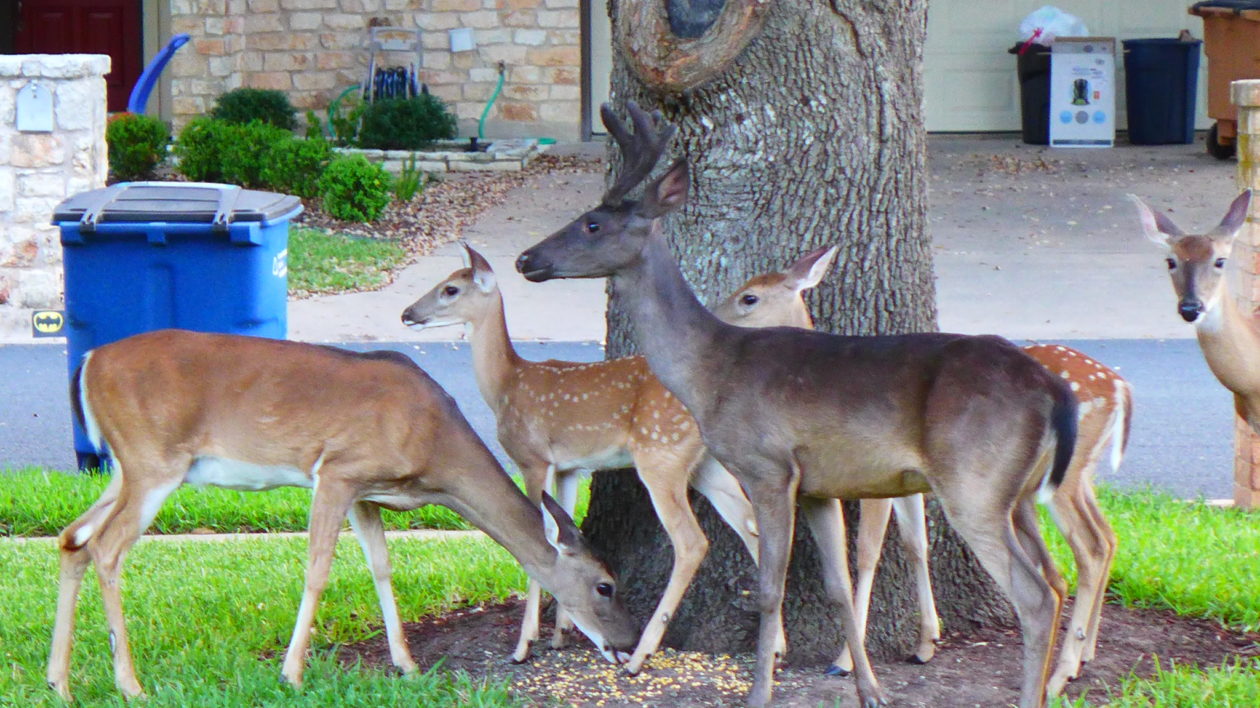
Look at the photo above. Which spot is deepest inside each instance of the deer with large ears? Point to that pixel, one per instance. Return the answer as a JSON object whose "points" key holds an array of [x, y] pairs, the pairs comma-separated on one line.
{"points": [[558, 418], [1228, 336], [804, 417], [362, 431], [1105, 409]]}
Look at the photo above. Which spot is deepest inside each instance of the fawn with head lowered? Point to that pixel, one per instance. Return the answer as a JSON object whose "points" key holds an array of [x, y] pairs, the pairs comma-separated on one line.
{"points": [[804, 417], [557, 418], [363, 431]]}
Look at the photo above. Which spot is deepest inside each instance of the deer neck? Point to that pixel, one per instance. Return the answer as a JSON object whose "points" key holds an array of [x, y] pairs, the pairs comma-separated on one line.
{"points": [[1230, 340], [495, 361], [507, 516], [676, 333]]}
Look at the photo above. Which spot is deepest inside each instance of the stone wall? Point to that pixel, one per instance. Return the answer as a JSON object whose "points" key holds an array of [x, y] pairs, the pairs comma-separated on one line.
{"points": [[40, 169], [315, 49]]}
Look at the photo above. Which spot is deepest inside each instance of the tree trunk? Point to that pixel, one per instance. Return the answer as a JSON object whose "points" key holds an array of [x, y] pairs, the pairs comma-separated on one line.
{"points": [[812, 136]]}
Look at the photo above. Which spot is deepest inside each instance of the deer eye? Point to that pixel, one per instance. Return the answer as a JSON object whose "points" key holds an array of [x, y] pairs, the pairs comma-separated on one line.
{"points": [[604, 589], [1172, 265], [1220, 262], [450, 291], [592, 227], [749, 300]]}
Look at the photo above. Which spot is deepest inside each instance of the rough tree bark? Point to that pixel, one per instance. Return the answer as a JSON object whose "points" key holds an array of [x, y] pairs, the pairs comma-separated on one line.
{"points": [[813, 135]]}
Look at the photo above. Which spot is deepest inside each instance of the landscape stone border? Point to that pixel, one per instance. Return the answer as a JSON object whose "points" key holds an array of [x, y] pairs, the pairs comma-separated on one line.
{"points": [[509, 155]]}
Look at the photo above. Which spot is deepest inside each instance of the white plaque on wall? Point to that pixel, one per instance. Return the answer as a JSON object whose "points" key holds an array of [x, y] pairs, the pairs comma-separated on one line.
{"points": [[34, 109]]}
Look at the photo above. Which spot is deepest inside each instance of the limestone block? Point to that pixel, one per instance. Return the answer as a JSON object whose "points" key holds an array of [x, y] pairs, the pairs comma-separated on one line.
{"points": [[270, 22], [493, 166], [315, 80], [510, 54], [8, 106], [525, 92], [37, 150], [560, 75], [568, 19], [38, 288], [561, 111], [306, 21], [308, 4], [520, 18], [564, 37], [63, 66], [264, 5], [454, 5], [445, 21], [279, 80], [344, 21], [562, 4], [525, 74], [497, 35], [221, 67], [286, 61], [35, 209], [563, 92], [530, 37], [8, 191], [483, 75], [75, 105], [555, 56], [42, 183], [480, 20], [438, 60], [523, 112]]}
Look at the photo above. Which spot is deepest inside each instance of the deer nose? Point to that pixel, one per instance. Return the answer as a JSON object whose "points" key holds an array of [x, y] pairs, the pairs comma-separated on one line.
{"points": [[409, 319], [1190, 310], [532, 267]]}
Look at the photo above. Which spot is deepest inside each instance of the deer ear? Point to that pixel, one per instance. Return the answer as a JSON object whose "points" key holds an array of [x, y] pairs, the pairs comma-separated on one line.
{"points": [[1235, 217], [810, 269], [483, 274], [558, 526], [1157, 227], [667, 192]]}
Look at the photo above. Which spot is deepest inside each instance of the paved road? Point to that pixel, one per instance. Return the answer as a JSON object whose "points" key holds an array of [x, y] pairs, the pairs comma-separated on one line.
{"points": [[1181, 441]]}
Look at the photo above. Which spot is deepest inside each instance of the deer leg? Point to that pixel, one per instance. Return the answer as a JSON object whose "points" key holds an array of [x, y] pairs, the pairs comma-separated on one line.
{"points": [[365, 519], [140, 495], [988, 528], [328, 509], [566, 494], [1091, 548], [826, 521], [537, 478], [663, 475], [74, 563], [723, 491], [912, 527], [774, 503], [872, 525], [1109, 543]]}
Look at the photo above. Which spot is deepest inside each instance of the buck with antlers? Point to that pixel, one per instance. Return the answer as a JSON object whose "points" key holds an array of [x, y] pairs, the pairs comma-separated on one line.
{"points": [[363, 431], [558, 418], [1105, 409], [810, 418], [1229, 337]]}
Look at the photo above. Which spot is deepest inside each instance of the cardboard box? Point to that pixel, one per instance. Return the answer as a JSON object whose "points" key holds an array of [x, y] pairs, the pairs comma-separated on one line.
{"points": [[1083, 92]]}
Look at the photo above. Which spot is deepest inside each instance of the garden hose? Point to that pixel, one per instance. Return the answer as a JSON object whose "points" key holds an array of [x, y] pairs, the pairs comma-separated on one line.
{"points": [[481, 124], [333, 109]]}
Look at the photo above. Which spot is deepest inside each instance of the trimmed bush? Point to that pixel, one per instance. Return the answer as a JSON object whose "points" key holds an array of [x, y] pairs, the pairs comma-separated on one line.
{"points": [[294, 166], [200, 149], [354, 189], [244, 105], [405, 123], [137, 144]]}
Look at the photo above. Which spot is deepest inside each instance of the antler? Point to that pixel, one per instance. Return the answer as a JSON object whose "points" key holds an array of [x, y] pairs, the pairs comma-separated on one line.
{"points": [[639, 152]]}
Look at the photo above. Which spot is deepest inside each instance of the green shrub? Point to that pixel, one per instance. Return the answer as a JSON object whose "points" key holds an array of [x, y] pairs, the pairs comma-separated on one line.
{"points": [[405, 123], [343, 120], [244, 105], [294, 166], [409, 181], [249, 150], [354, 189], [137, 144], [200, 149]]}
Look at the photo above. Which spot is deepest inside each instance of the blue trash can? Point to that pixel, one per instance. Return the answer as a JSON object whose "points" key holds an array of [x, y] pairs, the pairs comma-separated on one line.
{"points": [[1160, 76], [141, 256]]}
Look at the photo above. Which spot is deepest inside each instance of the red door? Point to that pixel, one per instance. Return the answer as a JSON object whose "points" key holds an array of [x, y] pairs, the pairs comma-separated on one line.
{"points": [[86, 27]]}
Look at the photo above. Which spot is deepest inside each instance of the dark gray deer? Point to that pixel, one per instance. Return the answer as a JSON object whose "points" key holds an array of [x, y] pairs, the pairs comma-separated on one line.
{"points": [[808, 417]]}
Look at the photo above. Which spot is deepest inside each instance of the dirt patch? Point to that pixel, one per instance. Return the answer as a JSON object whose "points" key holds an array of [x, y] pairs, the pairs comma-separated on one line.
{"points": [[978, 669]]}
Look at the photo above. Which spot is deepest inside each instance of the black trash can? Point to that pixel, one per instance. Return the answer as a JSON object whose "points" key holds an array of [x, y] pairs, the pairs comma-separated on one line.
{"points": [[1160, 77], [1033, 69]]}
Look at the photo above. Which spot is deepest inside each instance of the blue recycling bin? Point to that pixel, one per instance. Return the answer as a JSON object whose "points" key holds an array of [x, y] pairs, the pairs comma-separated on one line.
{"points": [[141, 256], [1160, 78]]}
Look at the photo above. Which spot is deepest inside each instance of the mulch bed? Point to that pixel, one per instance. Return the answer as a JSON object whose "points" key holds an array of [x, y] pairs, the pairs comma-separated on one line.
{"points": [[980, 668]]}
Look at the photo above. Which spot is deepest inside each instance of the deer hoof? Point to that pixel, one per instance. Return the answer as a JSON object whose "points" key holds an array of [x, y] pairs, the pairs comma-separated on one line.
{"points": [[916, 659], [835, 670]]}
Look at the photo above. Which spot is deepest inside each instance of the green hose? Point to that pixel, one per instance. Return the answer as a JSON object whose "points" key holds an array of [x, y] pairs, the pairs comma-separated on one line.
{"points": [[333, 109], [481, 124]]}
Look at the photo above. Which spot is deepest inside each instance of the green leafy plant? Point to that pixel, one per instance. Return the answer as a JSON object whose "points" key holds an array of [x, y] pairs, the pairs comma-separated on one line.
{"points": [[294, 166], [314, 127], [354, 189], [244, 105], [409, 181], [343, 122], [405, 124], [199, 149], [137, 145], [249, 149]]}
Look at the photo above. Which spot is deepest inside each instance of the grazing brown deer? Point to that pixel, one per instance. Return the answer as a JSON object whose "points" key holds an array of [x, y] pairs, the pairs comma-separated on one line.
{"points": [[558, 418], [811, 418], [363, 431], [1228, 336], [1105, 409]]}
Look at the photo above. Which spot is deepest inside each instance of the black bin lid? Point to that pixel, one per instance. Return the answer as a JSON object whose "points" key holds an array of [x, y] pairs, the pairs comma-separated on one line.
{"points": [[183, 202], [1235, 5]]}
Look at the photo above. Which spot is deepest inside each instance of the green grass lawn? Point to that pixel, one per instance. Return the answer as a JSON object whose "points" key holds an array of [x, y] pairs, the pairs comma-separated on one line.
{"points": [[210, 621], [321, 263]]}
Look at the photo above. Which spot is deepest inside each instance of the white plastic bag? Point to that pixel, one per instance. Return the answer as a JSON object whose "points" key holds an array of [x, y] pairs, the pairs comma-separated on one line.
{"points": [[1052, 22]]}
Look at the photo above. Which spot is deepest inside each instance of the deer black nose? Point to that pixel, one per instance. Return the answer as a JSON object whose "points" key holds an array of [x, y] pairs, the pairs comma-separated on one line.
{"points": [[1190, 310], [534, 268]]}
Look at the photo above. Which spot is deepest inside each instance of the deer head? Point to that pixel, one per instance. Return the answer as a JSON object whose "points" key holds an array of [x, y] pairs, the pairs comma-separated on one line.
{"points": [[1196, 262], [613, 234], [462, 298], [774, 299]]}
